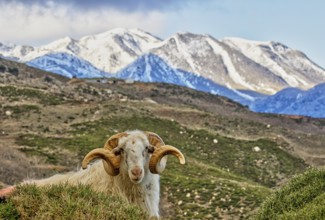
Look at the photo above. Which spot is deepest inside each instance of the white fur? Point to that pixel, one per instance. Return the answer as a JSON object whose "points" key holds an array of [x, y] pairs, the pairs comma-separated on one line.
{"points": [[145, 193]]}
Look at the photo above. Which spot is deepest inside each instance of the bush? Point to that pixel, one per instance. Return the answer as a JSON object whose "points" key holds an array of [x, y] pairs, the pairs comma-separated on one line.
{"points": [[302, 198], [2, 68], [14, 71]]}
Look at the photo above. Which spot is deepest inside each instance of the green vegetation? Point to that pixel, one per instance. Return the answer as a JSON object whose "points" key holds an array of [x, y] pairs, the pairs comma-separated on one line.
{"points": [[206, 192], [14, 93], [234, 158], [66, 202], [230, 154], [302, 198], [223, 177], [2, 68], [14, 71], [21, 109], [267, 166]]}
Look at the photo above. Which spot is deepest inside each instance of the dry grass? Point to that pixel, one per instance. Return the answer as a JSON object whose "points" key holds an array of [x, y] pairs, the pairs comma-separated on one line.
{"points": [[66, 202]]}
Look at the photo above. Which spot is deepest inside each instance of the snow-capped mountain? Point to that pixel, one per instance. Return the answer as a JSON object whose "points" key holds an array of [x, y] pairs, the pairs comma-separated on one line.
{"points": [[151, 68], [109, 51], [14, 52], [265, 67], [291, 65], [293, 101], [239, 69]]}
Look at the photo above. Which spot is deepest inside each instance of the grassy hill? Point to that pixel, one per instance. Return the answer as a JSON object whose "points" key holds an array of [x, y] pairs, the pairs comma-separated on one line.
{"points": [[234, 157], [66, 202], [302, 198]]}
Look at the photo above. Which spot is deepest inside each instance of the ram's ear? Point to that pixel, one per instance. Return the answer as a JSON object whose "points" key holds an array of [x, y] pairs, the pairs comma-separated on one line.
{"points": [[113, 142]]}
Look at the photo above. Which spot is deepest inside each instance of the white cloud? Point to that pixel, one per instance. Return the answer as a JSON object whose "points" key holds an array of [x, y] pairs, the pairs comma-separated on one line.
{"points": [[36, 24]]}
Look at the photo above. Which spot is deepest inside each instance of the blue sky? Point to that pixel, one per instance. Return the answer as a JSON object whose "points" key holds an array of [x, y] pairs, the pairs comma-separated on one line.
{"points": [[299, 24]]}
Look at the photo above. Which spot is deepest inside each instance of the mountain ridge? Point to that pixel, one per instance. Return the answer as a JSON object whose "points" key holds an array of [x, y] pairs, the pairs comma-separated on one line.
{"points": [[152, 68], [243, 70], [294, 101], [265, 67]]}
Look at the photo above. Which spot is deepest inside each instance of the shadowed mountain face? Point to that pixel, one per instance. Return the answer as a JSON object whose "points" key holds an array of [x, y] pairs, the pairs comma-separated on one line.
{"points": [[293, 101], [151, 68]]}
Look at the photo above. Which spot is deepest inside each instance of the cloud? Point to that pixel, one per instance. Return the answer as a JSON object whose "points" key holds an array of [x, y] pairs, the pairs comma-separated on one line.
{"points": [[37, 24], [124, 5]]}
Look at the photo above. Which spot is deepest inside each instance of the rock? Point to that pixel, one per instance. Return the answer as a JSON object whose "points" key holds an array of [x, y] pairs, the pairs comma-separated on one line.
{"points": [[129, 81], [149, 100], [256, 149], [108, 91], [215, 141], [123, 99], [8, 113]]}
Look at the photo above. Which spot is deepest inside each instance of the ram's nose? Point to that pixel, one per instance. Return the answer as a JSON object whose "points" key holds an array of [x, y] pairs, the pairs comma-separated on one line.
{"points": [[137, 172]]}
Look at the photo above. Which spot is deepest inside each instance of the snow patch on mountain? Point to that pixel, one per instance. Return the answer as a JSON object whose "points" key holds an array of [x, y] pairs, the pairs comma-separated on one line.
{"points": [[230, 66], [276, 57], [112, 50]]}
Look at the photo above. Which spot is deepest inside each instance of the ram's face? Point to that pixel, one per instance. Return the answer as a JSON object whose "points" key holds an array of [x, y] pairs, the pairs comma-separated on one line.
{"points": [[136, 152]]}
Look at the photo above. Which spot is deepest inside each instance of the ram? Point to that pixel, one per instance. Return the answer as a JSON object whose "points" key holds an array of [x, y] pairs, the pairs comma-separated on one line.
{"points": [[129, 167]]}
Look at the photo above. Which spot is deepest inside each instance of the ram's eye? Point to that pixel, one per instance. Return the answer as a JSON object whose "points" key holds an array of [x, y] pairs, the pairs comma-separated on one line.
{"points": [[150, 149], [118, 151]]}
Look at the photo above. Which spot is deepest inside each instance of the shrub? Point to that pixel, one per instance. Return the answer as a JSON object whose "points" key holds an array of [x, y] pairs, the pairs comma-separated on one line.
{"points": [[302, 198], [14, 71], [2, 68]]}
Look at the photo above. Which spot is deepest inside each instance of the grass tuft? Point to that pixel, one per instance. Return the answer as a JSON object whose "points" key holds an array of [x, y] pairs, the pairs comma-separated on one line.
{"points": [[66, 202], [302, 198]]}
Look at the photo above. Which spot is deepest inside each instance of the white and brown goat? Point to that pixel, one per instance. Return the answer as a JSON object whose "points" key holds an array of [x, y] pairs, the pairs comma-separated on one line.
{"points": [[131, 162]]}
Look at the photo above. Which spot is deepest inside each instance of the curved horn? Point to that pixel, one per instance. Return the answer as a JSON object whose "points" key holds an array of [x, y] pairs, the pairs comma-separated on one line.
{"points": [[111, 161], [154, 139], [112, 142], [159, 153]]}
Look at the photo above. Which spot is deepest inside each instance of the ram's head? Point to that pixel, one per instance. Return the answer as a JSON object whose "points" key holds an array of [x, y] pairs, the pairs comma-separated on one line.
{"points": [[136, 153]]}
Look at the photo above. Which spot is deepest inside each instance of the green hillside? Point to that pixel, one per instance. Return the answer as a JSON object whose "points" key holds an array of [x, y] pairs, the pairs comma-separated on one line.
{"points": [[302, 198], [234, 157]]}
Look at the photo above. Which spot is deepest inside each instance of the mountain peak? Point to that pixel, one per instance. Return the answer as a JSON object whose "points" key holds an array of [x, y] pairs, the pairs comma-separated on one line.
{"points": [[264, 67], [60, 44]]}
